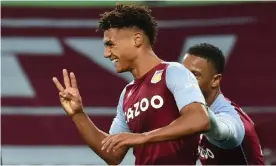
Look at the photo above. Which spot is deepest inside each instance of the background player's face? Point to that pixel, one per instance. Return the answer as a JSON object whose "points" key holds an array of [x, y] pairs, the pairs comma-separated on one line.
{"points": [[204, 72], [120, 48]]}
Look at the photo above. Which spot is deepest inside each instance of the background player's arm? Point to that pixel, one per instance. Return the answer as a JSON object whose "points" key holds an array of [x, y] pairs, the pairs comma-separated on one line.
{"points": [[94, 136], [227, 129], [191, 103]]}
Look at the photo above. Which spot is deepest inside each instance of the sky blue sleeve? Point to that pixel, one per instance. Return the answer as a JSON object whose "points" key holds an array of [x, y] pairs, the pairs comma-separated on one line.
{"points": [[183, 85], [227, 130], [119, 124]]}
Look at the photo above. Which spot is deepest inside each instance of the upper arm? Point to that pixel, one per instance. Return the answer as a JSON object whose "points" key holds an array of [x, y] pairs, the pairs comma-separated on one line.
{"points": [[189, 99], [183, 85], [234, 129], [119, 124]]}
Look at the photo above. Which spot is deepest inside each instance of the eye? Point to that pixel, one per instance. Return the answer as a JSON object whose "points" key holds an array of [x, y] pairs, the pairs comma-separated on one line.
{"points": [[195, 74], [108, 44]]}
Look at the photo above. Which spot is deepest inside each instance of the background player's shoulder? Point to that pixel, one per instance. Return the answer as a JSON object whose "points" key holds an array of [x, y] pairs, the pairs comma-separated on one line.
{"points": [[222, 105]]}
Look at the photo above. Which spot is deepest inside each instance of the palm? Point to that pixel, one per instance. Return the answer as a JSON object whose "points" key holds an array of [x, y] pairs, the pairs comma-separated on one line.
{"points": [[68, 104], [69, 96]]}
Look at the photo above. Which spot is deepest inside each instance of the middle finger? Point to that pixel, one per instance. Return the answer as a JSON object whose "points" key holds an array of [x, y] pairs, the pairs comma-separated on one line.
{"points": [[66, 78], [113, 143], [108, 140]]}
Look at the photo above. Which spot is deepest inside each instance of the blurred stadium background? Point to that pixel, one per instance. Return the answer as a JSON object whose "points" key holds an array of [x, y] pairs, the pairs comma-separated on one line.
{"points": [[39, 39]]}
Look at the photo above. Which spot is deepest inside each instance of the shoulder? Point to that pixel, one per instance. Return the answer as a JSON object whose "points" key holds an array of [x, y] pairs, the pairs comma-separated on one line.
{"points": [[175, 66], [223, 105], [131, 83], [124, 91], [128, 86], [178, 72], [174, 69]]}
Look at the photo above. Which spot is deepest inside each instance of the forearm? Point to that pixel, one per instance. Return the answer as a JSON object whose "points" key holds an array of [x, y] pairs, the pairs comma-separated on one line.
{"points": [[94, 136], [187, 124]]}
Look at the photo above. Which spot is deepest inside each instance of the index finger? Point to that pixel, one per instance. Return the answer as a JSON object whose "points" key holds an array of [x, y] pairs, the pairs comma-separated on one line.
{"points": [[119, 145], [107, 138], [73, 80], [113, 143], [58, 85]]}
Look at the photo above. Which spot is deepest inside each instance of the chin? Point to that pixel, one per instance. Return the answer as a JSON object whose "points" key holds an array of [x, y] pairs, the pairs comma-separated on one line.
{"points": [[121, 70]]}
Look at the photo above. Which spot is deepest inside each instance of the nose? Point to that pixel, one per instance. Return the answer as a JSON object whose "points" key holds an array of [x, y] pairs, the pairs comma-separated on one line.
{"points": [[107, 52]]}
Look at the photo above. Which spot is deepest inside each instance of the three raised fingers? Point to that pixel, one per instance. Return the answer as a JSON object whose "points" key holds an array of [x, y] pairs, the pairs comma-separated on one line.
{"points": [[66, 80]]}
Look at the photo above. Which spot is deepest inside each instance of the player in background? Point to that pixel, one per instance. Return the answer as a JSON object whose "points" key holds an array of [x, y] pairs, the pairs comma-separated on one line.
{"points": [[164, 102], [227, 144]]}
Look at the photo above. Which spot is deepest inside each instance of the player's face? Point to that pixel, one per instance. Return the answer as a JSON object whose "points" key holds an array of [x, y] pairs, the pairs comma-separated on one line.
{"points": [[203, 71], [120, 48]]}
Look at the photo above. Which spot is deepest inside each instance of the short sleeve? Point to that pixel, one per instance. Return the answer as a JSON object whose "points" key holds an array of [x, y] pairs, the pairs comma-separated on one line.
{"points": [[183, 85], [119, 124]]}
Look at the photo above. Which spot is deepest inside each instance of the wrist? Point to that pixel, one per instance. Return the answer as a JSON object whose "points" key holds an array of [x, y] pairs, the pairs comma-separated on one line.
{"points": [[148, 136], [78, 115]]}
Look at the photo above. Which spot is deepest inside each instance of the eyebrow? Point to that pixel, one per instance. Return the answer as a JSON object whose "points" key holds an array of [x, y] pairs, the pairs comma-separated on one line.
{"points": [[196, 71], [108, 43]]}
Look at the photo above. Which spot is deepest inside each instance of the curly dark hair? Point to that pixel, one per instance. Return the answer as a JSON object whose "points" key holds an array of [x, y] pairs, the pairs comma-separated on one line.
{"points": [[210, 53], [130, 15]]}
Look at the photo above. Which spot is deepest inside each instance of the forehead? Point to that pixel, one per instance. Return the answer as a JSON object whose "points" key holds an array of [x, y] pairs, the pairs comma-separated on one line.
{"points": [[110, 34], [115, 34], [196, 63]]}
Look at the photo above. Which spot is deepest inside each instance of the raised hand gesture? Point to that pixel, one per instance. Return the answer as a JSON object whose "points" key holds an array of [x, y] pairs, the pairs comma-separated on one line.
{"points": [[69, 95]]}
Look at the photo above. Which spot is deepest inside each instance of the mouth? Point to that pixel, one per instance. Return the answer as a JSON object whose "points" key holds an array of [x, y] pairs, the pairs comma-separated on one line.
{"points": [[114, 61]]}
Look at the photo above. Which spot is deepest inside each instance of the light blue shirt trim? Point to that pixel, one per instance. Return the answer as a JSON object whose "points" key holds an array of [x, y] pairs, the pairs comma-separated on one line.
{"points": [[119, 124], [183, 85], [227, 130]]}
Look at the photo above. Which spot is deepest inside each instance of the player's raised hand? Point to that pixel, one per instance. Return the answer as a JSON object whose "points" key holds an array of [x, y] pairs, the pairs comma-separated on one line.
{"points": [[69, 95]]}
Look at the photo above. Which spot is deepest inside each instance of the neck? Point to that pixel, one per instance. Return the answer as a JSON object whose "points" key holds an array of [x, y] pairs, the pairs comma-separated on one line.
{"points": [[212, 96], [144, 63]]}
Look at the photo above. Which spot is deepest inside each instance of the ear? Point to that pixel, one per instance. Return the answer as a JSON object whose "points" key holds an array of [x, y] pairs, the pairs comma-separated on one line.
{"points": [[138, 39], [216, 80]]}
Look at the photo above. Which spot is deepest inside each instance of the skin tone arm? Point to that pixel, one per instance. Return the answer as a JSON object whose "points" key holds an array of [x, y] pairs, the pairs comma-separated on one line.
{"points": [[71, 102]]}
